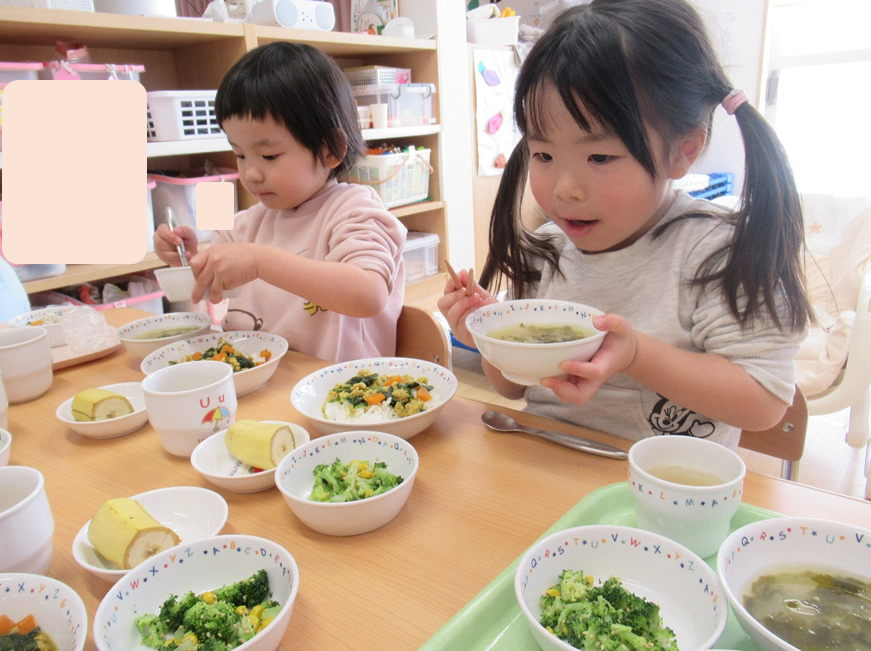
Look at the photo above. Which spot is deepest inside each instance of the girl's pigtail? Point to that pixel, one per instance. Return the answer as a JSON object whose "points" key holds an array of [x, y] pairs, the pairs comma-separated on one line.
{"points": [[507, 262], [770, 213]]}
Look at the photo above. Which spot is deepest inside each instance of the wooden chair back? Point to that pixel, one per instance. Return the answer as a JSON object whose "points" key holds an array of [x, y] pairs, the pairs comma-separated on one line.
{"points": [[785, 440], [420, 335]]}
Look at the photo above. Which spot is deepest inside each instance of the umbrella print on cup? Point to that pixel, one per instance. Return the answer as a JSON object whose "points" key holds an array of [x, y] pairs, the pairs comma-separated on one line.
{"points": [[215, 416]]}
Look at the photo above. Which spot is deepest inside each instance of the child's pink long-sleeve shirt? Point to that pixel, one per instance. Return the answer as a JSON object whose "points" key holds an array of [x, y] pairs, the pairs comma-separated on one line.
{"points": [[348, 223]]}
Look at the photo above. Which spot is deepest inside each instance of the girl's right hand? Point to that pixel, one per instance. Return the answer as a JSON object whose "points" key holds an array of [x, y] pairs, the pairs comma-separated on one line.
{"points": [[167, 241], [456, 305]]}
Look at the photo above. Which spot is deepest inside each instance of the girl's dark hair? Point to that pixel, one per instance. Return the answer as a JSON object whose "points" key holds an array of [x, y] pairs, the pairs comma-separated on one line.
{"points": [[300, 87], [633, 63]]}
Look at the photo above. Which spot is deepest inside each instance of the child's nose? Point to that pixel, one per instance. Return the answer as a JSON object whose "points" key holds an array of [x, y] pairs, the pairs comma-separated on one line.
{"points": [[569, 188], [253, 173]]}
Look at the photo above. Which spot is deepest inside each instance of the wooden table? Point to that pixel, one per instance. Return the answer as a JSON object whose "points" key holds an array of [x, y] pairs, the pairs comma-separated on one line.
{"points": [[480, 499]]}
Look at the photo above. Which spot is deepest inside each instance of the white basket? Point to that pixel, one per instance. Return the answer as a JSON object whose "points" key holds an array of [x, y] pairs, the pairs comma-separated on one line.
{"points": [[182, 115], [400, 179], [374, 75]]}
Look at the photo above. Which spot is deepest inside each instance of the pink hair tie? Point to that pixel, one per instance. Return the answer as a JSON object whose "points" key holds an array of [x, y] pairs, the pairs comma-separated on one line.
{"points": [[733, 100]]}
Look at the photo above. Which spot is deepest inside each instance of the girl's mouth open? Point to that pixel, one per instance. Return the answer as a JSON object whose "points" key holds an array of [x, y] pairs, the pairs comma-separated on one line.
{"points": [[579, 227]]}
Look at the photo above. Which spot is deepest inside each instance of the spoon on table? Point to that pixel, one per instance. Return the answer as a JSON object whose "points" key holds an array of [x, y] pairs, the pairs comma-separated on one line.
{"points": [[499, 422]]}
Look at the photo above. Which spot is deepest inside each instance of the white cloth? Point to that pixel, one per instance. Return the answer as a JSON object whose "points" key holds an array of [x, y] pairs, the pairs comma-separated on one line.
{"points": [[648, 283]]}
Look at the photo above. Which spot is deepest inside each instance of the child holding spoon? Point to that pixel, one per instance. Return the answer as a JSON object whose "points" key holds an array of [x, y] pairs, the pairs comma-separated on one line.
{"points": [[704, 308]]}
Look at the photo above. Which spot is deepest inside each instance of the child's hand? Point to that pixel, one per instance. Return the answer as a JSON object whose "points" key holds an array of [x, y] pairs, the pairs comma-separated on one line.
{"points": [[167, 241], [457, 304], [615, 355], [223, 266]]}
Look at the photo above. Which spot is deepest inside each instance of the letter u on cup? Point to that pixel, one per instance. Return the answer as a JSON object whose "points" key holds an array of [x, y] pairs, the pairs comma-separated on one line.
{"points": [[189, 402], [26, 523]]}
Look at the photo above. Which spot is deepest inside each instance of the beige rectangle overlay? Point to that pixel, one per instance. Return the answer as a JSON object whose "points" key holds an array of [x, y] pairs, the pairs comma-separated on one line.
{"points": [[215, 205], [74, 162]]}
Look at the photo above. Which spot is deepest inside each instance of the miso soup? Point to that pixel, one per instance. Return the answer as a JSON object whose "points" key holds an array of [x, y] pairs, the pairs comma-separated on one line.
{"points": [[686, 475], [540, 333], [813, 610], [163, 333]]}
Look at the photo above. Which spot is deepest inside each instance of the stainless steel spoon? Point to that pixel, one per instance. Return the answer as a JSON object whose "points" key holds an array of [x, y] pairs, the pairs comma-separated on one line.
{"points": [[499, 422], [170, 221]]}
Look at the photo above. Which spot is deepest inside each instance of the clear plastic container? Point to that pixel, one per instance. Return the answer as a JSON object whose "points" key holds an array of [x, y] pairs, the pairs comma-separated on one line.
{"points": [[409, 105]]}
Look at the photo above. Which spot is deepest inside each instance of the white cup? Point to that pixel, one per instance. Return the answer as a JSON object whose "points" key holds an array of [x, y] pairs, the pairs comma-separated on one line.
{"points": [[5, 446], [26, 523], [379, 115], [189, 402], [25, 362], [696, 516]]}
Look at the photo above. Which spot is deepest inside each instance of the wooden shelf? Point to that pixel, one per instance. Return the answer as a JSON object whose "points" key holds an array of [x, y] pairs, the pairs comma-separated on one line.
{"points": [[77, 274]]}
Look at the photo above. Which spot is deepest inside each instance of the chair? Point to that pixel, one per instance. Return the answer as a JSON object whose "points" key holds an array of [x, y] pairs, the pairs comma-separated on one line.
{"points": [[785, 440], [420, 335]]}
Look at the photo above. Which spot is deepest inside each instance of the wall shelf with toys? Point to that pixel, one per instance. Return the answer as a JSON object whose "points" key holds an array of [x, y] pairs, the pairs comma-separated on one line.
{"points": [[182, 54]]}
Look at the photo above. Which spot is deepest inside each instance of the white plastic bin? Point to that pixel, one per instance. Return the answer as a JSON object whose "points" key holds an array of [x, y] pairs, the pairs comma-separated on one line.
{"points": [[399, 179], [493, 31], [372, 75], [420, 255], [180, 193], [408, 105], [182, 115]]}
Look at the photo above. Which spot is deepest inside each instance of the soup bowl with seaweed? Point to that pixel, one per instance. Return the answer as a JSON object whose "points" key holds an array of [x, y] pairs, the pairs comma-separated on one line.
{"points": [[528, 339], [143, 336], [799, 583]]}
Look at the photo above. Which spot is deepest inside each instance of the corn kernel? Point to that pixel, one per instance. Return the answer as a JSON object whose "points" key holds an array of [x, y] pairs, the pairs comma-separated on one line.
{"points": [[209, 597]]}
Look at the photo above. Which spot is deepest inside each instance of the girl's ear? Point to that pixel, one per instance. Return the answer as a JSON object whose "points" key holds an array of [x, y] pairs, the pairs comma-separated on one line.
{"points": [[333, 152], [689, 148]]}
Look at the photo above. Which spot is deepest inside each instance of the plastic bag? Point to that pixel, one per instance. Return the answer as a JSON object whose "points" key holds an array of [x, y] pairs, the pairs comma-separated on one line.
{"points": [[85, 330]]}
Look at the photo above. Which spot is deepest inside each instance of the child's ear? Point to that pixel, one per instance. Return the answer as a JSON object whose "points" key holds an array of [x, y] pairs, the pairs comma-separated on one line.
{"points": [[339, 145], [689, 148]]}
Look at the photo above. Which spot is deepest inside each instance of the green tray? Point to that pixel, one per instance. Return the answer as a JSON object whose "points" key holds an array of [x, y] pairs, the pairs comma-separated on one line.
{"points": [[492, 619]]}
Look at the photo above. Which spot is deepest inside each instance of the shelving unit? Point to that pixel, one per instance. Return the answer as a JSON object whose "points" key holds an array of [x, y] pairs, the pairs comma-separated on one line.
{"points": [[191, 54]]}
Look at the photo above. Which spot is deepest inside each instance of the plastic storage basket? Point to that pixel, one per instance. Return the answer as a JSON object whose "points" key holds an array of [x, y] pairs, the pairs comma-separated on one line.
{"points": [[375, 75], [399, 179], [182, 115]]}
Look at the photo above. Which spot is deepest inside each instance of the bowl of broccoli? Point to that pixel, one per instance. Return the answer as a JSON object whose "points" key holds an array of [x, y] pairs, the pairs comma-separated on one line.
{"points": [[231, 592], [350, 483], [609, 587]]}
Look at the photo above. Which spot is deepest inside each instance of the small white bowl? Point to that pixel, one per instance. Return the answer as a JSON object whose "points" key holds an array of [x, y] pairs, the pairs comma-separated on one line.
{"points": [[787, 544], [107, 429], [213, 460], [310, 394], [528, 364], [208, 565], [193, 513], [131, 333], [294, 478], [249, 342], [5, 446], [52, 319], [178, 283], [650, 566], [57, 608]]}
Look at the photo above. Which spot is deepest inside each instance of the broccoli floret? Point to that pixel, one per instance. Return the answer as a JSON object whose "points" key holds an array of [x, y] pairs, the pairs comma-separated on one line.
{"points": [[211, 623], [247, 592], [151, 629], [172, 611]]}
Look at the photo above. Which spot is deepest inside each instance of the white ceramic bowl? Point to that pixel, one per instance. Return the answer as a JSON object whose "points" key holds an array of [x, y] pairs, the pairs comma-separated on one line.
{"points": [[106, 429], [310, 394], [687, 591], [528, 364], [213, 460], [50, 318], [58, 610], [208, 564], [249, 342], [131, 333], [178, 283], [193, 513], [788, 544], [5, 446], [294, 478]]}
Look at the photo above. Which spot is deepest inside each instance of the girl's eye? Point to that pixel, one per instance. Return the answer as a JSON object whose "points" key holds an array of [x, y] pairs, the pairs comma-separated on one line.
{"points": [[600, 158], [543, 157], [270, 157], [240, 157]]}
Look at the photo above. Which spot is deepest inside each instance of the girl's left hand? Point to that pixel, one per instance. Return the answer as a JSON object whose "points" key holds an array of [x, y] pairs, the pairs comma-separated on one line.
{"points": [[223, 266], [615, 355]]}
